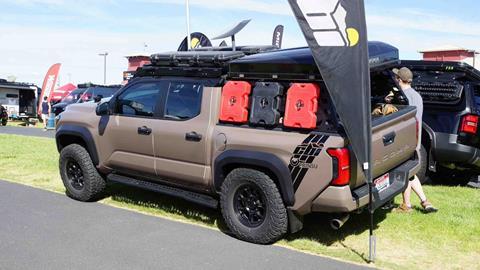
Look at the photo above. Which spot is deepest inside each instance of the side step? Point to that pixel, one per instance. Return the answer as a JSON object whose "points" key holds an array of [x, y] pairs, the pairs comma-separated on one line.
{"points": [[190, 196]]}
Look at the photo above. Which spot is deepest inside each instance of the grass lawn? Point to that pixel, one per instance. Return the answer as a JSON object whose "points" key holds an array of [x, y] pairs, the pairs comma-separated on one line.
{"points": [[449, 239]]}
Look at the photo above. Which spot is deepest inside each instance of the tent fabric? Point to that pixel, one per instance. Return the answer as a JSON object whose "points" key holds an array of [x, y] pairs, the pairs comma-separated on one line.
{"points": [[335, 31], [62, 91]]}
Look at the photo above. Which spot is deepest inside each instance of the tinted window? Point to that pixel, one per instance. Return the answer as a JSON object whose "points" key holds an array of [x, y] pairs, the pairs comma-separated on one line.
{"points": [[184, 101], [140, 99]]}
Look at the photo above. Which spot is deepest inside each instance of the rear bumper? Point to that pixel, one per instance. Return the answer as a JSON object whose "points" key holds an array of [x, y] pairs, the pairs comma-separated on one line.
{"points": [[344, 200], [446, 149]]}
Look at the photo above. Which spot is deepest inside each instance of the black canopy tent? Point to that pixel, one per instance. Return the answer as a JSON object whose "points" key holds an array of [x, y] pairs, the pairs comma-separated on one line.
{"points": [[336, 32]]}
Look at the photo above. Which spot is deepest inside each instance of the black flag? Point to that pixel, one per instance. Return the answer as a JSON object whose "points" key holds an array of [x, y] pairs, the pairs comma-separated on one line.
{"points": [[199, 40], [336, 32], [278, 36]]}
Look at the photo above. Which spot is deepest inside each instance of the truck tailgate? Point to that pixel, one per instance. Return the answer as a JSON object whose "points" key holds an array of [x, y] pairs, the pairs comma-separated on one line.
{"points": [[394, 141]]}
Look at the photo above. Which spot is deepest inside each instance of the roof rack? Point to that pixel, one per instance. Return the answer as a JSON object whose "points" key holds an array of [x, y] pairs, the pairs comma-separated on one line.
{"points": [[195, 58], [247, 50]]}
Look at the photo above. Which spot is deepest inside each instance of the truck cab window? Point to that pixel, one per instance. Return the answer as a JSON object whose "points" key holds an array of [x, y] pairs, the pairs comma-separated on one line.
{"points": [[184, 101], [139, 100]]}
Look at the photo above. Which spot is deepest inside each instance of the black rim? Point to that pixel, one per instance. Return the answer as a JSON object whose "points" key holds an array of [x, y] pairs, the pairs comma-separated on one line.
{"points": [[249, 205], [75, 174]]}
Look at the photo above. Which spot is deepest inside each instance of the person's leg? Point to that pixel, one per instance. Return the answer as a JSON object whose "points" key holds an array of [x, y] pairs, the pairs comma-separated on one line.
{"points": [[407, 195], [418, 189], [45, 119], [406, 206]]}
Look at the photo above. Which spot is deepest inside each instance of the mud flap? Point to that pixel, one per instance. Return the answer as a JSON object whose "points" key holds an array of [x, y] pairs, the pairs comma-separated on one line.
{"points": [[295, 222]]}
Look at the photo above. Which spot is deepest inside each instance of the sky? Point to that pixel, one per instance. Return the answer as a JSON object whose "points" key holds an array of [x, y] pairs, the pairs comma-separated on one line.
{"points": [[38, 33]]}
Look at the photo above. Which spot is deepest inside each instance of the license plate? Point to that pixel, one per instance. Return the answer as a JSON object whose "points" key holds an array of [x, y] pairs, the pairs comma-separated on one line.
{"points": [[382, 182]]}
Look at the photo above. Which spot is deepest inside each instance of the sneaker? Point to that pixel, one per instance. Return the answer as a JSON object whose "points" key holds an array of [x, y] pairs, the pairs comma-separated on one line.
{"points": [[428, 207], [403, 208]]}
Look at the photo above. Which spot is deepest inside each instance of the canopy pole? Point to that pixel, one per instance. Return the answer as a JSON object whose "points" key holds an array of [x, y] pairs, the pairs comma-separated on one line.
{"points": [[372, 247]]}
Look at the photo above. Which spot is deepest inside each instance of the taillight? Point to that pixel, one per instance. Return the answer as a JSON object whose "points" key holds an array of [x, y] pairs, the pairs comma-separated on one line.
{"points": [[469, 124], [341, 166]]}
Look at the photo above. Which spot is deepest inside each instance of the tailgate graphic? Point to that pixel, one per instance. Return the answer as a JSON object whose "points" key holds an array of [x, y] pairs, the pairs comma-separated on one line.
{"points": [[303, 157]]}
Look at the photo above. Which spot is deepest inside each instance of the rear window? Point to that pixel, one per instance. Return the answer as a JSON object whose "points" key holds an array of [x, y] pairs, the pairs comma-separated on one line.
{"points": [[184, 101]]}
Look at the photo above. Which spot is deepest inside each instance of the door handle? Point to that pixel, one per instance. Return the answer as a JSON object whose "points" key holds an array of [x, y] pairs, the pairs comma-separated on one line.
{"points": [[144, 130], [193, 137], [389, 139]]}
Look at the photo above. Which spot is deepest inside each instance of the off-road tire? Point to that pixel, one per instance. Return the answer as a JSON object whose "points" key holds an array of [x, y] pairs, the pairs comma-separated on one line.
{"points": [[422, 173], [4, 122], [93, 184], [275, 222]]}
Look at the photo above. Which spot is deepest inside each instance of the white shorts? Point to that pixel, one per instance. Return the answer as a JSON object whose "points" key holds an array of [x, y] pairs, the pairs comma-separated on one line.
{"points": [[45, 118]]}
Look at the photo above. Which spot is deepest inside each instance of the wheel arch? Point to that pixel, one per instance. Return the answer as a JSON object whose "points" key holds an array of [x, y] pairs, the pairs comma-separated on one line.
{"points": [[264, 162], [71, 134]]}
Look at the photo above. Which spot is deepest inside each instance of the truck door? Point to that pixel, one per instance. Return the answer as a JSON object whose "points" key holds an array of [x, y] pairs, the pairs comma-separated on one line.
{"points": [[181, 140], [129, 134]]}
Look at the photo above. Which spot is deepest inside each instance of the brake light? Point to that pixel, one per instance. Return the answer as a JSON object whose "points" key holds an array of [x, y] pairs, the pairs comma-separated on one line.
{"points": [[469, 124], [341, 166]]}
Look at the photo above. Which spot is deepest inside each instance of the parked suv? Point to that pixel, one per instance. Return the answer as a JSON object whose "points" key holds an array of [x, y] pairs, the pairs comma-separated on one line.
{"points": [[258, 134], [85, 93], [451, 96]]}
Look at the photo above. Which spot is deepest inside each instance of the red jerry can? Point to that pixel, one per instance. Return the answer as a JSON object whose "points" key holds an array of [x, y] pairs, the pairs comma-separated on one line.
{"points": [[302, 106], [235, 102]]}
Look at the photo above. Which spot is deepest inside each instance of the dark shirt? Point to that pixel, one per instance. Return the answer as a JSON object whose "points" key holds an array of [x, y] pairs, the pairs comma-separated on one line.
{"points": [[44, 107]]}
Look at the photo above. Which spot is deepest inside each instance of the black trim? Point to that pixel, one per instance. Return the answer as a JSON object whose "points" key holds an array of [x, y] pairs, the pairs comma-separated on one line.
{"points": [[79, 132], [256, 159], [445, 148], [190, 196]]}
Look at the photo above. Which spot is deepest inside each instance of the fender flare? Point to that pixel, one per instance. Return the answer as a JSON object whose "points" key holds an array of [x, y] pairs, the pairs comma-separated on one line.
{"points": [[259, 160], [79, 132]]}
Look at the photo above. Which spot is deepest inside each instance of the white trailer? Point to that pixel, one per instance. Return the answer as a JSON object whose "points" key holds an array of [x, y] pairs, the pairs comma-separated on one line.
{"points": [[19, 99]]}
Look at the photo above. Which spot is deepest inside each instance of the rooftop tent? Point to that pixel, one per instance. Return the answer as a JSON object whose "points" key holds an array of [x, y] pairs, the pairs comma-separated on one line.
{"points": [[380, 52]]}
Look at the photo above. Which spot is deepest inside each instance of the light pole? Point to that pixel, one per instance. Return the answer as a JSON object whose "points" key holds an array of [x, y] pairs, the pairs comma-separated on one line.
{"points": [[105, 54], [187, 11]]}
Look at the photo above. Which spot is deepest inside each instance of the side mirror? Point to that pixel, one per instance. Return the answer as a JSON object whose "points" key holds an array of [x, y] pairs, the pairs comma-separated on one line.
{"points": [[98, 98], [103, 109]]}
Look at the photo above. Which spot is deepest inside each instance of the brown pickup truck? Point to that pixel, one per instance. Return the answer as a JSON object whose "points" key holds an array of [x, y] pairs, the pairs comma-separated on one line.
{"points": [[248, 132]]}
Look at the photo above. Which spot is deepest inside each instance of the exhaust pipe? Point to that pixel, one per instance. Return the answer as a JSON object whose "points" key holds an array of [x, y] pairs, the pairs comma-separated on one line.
{"points": [[337, 223]]}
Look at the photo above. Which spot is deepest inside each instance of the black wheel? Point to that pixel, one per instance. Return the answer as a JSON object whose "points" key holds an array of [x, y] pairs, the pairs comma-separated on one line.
{"points": [[4, 122], [422, 173], [80, 177], [253, 207]]}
